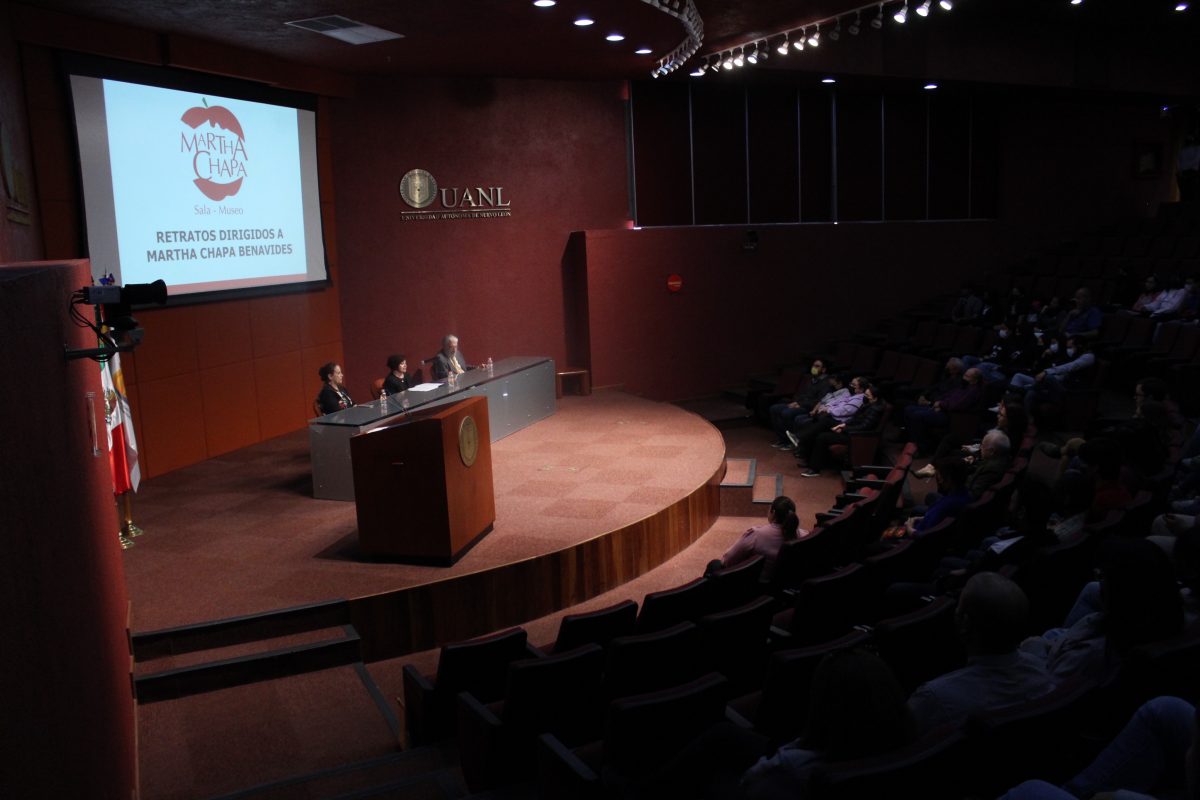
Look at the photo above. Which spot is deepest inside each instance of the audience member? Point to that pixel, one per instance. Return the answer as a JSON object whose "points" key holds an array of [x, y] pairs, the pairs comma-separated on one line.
{"points": [[1083, 321], [991, 617], [1139, 603], [868, 418], [764, 540], [824, 417], [924, 420], [967, 307], [810, 393]]}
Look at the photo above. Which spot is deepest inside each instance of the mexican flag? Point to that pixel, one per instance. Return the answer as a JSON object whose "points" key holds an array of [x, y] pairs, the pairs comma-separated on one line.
{"points": [[122, 445]]}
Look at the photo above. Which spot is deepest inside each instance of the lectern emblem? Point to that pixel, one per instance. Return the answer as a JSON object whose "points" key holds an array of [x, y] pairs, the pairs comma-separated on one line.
{"points": [[468, 441], [418, 188]]}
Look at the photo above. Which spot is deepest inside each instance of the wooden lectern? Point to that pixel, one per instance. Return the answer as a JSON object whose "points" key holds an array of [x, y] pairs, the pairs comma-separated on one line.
{"points": [[423, 487]]}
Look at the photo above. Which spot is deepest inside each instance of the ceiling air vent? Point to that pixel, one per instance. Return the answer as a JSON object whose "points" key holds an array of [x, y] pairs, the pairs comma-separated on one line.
{"points": [[345, 30]]}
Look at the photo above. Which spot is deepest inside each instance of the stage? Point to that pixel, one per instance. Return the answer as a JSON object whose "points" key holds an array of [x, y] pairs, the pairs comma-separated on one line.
{"points": [[604, 490]]}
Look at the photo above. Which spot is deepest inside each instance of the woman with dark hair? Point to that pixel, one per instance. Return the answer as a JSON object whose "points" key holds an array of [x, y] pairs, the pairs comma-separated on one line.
{"points": [[397, 379], [764, 540], [333, 396]]}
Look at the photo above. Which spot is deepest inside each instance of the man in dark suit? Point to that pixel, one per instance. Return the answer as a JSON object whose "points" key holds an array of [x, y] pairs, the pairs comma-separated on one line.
{"points": [[450, 359]]}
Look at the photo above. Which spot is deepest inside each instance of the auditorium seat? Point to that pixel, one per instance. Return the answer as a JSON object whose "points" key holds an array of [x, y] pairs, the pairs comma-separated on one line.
{"points": [[559, 694], [780, 710], [736, 642], [827, 607], [376, 388], [478, 666], [930, 768], [737, 585], [651, 661], [1046, 738], [599, 627], [921, 644], [641, 733], [668, 607], [1055, 575]]}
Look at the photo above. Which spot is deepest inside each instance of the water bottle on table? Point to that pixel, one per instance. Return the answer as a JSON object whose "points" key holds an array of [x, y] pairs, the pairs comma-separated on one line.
{"points": [[490, 366]]}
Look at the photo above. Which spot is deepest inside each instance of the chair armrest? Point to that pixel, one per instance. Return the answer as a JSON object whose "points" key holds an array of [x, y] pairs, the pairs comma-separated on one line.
{"points": [[534, 651], [872, 470], [482, 755], [866, 483], [418, 706], [737, 719], [825, 516], [561, 773]]}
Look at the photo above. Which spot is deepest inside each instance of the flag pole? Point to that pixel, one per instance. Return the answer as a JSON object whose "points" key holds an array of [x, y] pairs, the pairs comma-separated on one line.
{"points": [[128, 528]]}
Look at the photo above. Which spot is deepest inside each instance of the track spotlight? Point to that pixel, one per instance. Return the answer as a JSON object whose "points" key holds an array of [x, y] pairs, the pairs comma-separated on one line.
{"points": [[923, 9], [1076, 2], [698, 72], [798, 42], [727, 62], [877, 22], [783, 46], [836, 33], [854, 27], [739, 60], [815, 39], [947, 5], [752, 56], [901, 16]]}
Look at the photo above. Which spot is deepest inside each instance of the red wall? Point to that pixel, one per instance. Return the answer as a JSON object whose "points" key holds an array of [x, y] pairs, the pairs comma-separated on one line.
{"points": [[746, 312], [558, 149], [20, 234]]}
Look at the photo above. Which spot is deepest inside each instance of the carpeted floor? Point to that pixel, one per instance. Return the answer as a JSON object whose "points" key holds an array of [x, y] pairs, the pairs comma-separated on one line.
{"points": [[241, 533]]}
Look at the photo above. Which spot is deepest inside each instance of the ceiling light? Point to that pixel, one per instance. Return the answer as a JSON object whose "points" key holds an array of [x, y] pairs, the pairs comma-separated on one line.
{"points": [[947, 5], [783, 46], [929, 87], [544, 3], [739, 60], [1076, 2], [815, 39], [615, 37], [853, 28], [798, 43], [836, 33], [642, 51], [901, 16], [923, 9], [727, 63], [1181, 6], [752, 56], [698, 72], [877, 22], [828, 80], [583, 22]]}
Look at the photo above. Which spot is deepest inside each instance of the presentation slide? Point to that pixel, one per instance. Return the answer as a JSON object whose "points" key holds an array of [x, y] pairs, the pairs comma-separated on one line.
{"points": [[208, 193]]}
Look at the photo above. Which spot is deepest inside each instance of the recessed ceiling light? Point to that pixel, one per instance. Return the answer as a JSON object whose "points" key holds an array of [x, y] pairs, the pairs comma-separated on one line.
{"points": [[583, 22], [643, 51], [828, 80], [615, 37], [929, 87], [1181, 6], [544, 3]]}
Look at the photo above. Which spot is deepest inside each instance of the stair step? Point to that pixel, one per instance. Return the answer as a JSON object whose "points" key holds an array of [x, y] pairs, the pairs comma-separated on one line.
{"points": [[190, 658], [767, 487], [739, 472], [223, 673]]}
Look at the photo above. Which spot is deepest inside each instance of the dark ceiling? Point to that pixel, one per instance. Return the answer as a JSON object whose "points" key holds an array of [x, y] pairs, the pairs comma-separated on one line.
{"points": [[513, 38]]}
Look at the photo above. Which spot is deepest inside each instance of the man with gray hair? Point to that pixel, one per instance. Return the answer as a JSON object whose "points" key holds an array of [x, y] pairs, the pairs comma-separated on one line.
{"points": [[449, 360], [991, 618], [995, 457]]}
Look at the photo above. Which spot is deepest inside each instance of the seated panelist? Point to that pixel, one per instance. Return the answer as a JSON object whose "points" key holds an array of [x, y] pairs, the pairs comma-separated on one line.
{"points": [[449, 359], [333, 396], [397, 379]]}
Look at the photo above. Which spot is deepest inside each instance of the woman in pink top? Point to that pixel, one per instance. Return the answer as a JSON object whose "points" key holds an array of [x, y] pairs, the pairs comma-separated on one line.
{"points": [[764, 540]]}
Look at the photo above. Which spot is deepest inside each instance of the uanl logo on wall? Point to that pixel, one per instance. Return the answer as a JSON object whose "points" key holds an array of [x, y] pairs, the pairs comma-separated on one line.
{"points": [[218, 151], [420, 190]]}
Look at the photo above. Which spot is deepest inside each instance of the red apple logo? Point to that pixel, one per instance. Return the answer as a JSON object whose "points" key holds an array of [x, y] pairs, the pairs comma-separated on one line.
{"points": [[218, 152]]}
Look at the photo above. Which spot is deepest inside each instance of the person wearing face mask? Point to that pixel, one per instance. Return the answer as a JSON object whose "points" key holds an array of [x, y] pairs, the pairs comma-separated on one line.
{"points": [[1051, 384], [1170, 303], [808, 394]]}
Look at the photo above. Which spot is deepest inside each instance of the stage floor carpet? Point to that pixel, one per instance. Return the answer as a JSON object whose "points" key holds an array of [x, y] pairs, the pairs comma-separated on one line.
{"points": [[241, 534]]}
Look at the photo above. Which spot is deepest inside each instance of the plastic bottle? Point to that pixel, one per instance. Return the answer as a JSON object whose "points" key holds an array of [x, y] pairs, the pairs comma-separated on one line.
{"points": [[383, 400], [490, 366]]}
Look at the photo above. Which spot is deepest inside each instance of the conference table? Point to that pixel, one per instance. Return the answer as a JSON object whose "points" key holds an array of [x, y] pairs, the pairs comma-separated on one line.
{"points": [[519, 391]]}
